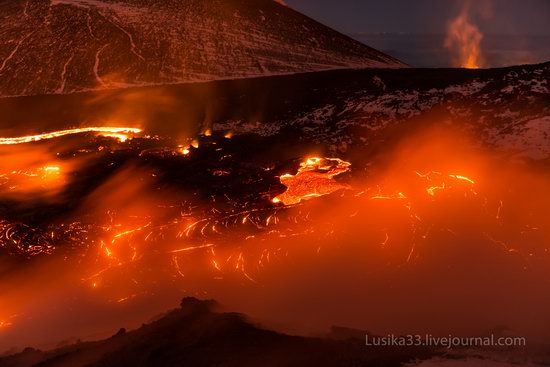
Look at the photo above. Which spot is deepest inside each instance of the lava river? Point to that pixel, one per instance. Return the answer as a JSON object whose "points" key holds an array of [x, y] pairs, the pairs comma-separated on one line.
{"points": [[104, 227]]}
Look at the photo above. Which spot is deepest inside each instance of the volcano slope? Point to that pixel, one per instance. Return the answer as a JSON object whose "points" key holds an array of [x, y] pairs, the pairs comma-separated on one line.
{"points": [[358, 115], [342, 110], [64, 46], [461, 212]]}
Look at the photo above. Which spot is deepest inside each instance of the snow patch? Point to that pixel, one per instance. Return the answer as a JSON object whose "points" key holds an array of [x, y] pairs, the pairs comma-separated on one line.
{"points": [[531, 139], [466, 89]]}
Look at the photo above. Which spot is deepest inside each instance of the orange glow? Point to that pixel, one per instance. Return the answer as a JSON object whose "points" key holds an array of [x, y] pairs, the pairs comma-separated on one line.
{"points": [[132, 239], [117, 132], [44, 181], [464, 41], [54, 169], [120, 137], [314, 178], [191, 248], [463, 178]]}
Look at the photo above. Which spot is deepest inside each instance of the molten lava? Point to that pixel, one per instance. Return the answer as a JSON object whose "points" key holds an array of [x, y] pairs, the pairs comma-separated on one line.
{"points": [[120, 133], [144, 227], [315, 178]]}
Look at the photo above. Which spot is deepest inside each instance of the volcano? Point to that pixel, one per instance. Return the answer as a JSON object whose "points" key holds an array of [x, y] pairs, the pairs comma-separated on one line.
{"points": [[239, 151], [65, 46], [282, 180]]}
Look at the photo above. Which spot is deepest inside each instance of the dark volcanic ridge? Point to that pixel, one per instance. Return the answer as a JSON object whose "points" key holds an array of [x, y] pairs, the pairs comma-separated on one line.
{"points": [[196, 335], [199, 334], [64, 46]]}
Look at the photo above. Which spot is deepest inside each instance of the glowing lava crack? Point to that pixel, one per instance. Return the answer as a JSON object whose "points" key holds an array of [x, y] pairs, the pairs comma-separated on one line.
{"points": [[115, 132]]}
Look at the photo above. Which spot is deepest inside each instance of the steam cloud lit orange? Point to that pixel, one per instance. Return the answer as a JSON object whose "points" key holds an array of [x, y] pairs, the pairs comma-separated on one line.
{"points": [[430, 203], [464, 40]]}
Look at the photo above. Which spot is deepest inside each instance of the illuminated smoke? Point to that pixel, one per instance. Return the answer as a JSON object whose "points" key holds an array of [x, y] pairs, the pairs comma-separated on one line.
{"points": [[434, 213], [464, 41]]}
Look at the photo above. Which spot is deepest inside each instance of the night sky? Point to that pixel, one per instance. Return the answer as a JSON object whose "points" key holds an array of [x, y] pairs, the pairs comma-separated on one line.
{"points": [[523, 17], [515, 31]]}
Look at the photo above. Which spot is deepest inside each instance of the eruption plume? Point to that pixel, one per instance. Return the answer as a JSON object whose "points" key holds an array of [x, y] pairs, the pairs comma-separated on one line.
{"points": [[464, 41]]}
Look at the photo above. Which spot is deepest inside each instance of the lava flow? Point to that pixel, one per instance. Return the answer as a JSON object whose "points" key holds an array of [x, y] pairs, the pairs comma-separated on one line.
{"points": [[315, 178], [120, 133], [139, 213]]}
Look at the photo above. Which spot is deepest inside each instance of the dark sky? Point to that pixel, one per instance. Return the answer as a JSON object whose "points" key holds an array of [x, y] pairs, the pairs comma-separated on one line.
{"points": [[427, 16], [514, 31]]}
